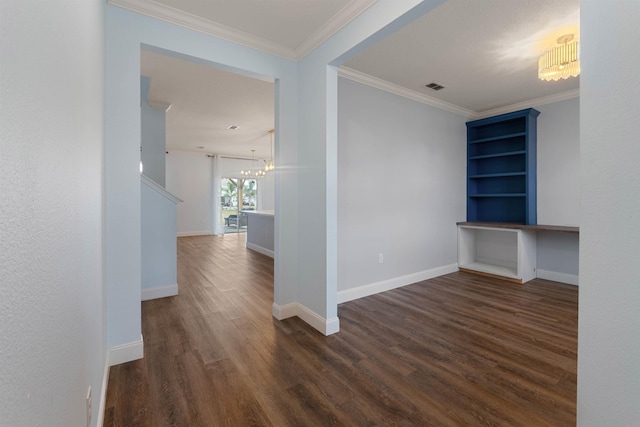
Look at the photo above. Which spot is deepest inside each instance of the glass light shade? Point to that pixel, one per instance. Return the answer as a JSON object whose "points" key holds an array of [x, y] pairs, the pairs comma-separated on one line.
{"points": [[561, 62]]}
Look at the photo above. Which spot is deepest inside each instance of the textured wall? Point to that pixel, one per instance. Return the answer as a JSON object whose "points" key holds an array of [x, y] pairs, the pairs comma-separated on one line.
{"points": [[51, 293]]}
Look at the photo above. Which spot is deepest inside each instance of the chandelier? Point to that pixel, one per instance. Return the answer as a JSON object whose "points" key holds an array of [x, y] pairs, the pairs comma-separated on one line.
{"points": [[270, 165], [253, 173], [560, 62]]}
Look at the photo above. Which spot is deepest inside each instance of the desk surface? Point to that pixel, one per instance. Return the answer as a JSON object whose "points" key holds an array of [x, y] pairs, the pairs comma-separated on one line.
{"points": [[538, 227]]}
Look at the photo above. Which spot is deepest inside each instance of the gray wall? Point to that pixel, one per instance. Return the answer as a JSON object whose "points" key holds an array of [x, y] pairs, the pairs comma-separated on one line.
{"points": [[558, 175], [402, 180], [559, 163], [401, 185]]}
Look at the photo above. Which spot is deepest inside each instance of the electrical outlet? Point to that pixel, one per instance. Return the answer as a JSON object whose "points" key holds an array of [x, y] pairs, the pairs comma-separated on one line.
{"points": [[380, 258], [89, 407]]}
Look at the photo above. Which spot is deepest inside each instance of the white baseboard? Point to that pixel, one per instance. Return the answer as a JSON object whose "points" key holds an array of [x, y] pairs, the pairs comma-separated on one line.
{"points": [[128, 352], [570, 279], [260, 249], [103, 391], [282, 312], [194, 233], [154, 293], [396, 282], [324, 326]]}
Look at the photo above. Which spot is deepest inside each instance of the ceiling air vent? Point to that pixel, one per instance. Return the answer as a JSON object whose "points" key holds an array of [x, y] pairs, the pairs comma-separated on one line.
{"points": [[435, 86]]}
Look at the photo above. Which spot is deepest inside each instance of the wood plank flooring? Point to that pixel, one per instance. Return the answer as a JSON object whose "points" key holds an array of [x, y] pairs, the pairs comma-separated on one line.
{"points": [[457, 350]]}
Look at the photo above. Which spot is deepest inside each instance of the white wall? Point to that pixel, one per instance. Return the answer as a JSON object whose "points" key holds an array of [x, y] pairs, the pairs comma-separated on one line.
{"points": [[401, 187], [558, 157], [52, 344], [609, 307], [189, 177]]}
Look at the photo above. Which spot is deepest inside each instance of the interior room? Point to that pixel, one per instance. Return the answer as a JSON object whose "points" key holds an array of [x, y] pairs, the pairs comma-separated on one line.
{"points": [[380, 190]]}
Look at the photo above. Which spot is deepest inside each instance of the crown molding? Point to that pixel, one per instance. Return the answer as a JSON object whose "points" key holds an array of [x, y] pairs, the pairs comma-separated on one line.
{"points": [[556, 97], [366, 79], [386, 86], [345, 15], [196, 23], [184, 19], [338, 21]]}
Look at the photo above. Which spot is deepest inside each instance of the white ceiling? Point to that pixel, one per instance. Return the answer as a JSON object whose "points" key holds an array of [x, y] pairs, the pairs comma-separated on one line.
{"points": [[205, 101], [484, 53]]}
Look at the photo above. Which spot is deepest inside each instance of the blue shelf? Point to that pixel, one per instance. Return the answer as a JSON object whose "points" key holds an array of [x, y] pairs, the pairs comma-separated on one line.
{"points": [[501, 168], [496, 175], [498, 138], [504, 154], [499, 195]]}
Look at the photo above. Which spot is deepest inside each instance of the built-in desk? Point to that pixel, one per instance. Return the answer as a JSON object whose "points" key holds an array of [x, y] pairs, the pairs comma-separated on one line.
{"points": [[511, 250], [260, 232]]}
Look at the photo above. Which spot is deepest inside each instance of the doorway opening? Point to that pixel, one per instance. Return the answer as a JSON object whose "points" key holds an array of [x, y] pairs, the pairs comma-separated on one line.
{"points": [[237, 196]]}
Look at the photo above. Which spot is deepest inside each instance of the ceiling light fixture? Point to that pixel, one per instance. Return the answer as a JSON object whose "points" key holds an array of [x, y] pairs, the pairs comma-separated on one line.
{"points": [[270, 165], [560, 62], [253, 173]]}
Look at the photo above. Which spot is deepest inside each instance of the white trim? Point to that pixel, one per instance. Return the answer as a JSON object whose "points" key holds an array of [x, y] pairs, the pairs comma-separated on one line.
{"points": [[570, 279], [396, 282], [155, 293], [178, 17], [260, 249], [128, 352], [194, 233], [159, 188], [351, 11], [324, 326], [332, 326], [184, 19], [103, 391], [366, 79], [282, 312], [556, 97]]}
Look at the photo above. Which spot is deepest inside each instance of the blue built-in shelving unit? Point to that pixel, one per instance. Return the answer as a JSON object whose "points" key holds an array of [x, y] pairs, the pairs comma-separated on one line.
{"points": [[501, 168]]}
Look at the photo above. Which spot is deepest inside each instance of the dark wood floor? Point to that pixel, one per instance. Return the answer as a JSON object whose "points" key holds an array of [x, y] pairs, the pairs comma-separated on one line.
{"points": [[456, 350]]}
